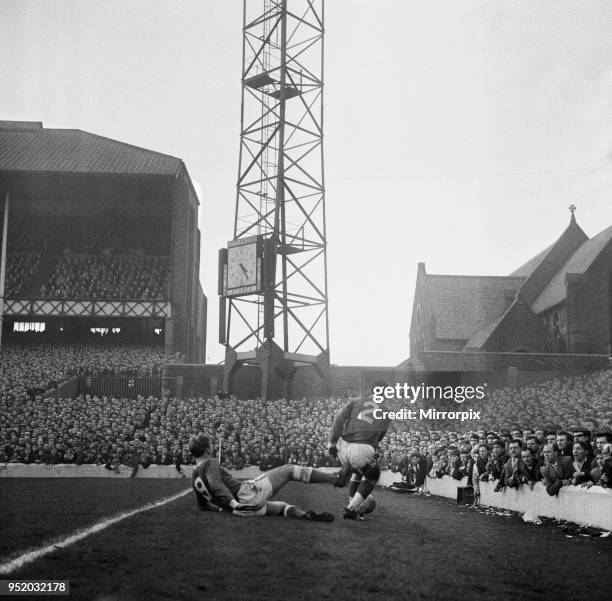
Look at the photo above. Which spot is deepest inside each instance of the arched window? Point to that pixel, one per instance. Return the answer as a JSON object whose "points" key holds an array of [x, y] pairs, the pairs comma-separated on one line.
{"points": [[556, 324], [421, 343]]}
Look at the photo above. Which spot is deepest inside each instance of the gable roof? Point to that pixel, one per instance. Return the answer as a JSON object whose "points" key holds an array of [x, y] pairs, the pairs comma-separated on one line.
{"points": [[528, 268], [20, 125], [29, 147], [478, 338], [555, 291], [465, 304]]}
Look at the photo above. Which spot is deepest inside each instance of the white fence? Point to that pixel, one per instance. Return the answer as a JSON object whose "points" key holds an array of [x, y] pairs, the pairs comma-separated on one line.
{"points": [[573, 503], [592, 506]]}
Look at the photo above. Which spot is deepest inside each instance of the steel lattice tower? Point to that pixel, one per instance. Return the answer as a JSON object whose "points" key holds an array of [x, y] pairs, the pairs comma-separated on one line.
{"points": [[281, 195]]}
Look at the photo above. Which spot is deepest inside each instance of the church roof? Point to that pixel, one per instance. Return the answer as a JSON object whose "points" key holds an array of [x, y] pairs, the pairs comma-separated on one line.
{"points": [[527, 269], [464, 304], [479, 338], [555, 291], [29, 147]]}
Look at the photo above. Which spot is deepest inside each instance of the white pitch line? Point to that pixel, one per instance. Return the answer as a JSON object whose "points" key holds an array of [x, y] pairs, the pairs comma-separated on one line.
{"points": [[30, 556]]}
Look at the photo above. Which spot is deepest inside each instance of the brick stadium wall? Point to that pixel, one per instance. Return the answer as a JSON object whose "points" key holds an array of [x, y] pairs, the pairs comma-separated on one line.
{"points": [[247, 382], [466, 362], [498, 370], [306, 382], [343, 378], [182, 378], [185, 269], [208, 379], [178, 281], [202, 313], [67, 389]]}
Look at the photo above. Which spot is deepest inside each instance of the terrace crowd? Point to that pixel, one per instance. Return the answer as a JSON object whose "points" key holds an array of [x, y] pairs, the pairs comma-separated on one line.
{"points": [[21, 270], [112, 431], [108, 277], [30, 370], [92, 276]]}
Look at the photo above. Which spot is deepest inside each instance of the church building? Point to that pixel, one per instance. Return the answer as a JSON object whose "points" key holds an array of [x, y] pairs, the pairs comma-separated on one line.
{"points": [[559, 302]]}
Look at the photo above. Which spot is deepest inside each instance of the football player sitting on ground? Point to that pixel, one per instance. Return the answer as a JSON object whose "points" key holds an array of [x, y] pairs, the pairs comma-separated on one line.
{"points": [[354, 439], [216, 489]]}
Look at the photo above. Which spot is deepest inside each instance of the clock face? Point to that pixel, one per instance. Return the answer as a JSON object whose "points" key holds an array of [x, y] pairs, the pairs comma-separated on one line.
{"points": [[242, 266]]}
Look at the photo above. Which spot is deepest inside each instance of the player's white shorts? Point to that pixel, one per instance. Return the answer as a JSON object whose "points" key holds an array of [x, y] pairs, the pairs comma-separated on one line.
{"points": [[356, 454], [255, 492]]}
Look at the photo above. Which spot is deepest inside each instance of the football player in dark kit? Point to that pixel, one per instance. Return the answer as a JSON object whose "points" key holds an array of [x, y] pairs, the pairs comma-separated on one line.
{"points": [[354, 439], [217, 490]]}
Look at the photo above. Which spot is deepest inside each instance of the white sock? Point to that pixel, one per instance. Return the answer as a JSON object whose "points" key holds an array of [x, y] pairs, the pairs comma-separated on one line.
{"points": [[356, 501]]}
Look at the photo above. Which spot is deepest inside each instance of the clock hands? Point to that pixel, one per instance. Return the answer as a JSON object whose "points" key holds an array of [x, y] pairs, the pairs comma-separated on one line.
{"points": [[246, 273]]}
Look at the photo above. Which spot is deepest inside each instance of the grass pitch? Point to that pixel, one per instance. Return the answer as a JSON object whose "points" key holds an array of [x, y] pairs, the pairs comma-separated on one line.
{"points": [[409, 548]]}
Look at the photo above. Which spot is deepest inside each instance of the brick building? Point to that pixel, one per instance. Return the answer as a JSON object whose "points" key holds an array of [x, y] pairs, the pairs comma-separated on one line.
{"points": [[558, 303]]}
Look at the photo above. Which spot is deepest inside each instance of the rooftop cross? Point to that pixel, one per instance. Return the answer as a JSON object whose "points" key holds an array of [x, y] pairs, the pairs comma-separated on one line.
{"points": [[572, 209]]}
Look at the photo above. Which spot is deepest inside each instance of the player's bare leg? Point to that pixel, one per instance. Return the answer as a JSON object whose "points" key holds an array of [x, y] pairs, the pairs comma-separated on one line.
{"points": [[369, 504], [279, 476], [362, 496], [363, 492], [354, 483], [282, 508]]}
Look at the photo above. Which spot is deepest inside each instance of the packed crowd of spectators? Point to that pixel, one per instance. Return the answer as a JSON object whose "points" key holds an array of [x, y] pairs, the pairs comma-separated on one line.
{"points": [[508, 458], [109, 277], [95, 265], [32, 369], [21, 270], [112, 431], [572, 402], [574, 409]]}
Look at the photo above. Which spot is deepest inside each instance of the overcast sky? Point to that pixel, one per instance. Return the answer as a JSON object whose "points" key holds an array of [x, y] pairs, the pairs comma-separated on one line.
{"points": [[456, 132]]}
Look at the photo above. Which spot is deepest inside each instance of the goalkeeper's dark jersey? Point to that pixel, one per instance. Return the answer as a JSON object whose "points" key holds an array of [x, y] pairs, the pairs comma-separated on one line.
{"points": [[356, 422], [213, 484]]}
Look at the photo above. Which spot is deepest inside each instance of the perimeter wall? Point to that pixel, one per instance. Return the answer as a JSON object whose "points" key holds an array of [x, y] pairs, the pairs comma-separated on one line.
{"points": [[591, 506]]}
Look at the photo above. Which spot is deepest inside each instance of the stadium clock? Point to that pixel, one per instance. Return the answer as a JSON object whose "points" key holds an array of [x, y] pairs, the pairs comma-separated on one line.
{"points": [[242, 267]]}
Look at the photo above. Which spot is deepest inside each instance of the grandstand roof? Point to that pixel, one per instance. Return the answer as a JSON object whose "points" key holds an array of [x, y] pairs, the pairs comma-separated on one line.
{"points": [[465, 304], [29, 147], [555, 291]]}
